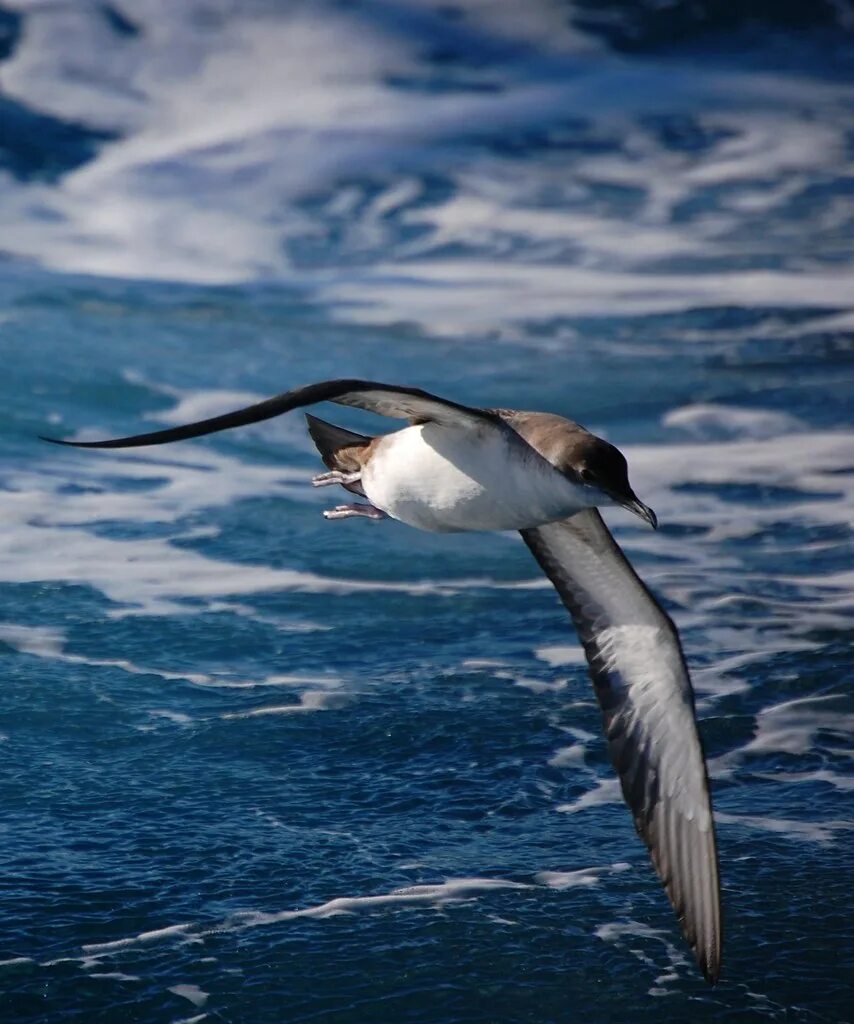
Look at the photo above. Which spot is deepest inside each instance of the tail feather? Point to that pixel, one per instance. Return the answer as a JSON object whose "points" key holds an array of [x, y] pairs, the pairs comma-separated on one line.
{"points": [[336, 445]]}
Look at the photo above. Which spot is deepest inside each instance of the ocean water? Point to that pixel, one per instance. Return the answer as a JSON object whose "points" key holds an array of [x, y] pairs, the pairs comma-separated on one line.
{"points": [[260, 767]]}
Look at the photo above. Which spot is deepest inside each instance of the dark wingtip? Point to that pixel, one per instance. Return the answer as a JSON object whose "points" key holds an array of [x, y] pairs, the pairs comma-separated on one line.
{"points": [[77, 444], [708, 958], [711, 972]]}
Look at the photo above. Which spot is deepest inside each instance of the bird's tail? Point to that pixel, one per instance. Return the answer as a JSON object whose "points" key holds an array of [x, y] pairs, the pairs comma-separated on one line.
{"points": [[339, 448]]}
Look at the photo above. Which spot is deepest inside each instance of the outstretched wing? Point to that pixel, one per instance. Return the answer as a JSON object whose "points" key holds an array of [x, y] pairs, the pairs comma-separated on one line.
{"points": [[385, 399], [642, 684]]}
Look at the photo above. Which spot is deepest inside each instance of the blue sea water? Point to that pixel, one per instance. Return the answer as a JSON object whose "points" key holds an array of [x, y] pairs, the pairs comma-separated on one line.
{"points": [[260, 767]]}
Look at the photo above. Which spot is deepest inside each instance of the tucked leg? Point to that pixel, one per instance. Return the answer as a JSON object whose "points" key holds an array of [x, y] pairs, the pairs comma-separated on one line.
{"points": [[335, 477], [356, 509]]}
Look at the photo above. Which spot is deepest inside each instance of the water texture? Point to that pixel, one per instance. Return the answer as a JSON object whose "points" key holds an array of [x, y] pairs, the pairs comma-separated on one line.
{"points": [[261, 767]]}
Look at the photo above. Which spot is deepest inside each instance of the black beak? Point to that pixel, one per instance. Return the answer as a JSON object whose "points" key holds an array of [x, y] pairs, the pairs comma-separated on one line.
{"points": [[639, 509]]}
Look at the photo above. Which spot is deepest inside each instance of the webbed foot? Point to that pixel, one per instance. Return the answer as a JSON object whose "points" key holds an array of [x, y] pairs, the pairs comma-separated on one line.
{"points": [[356, 509], [335, 476]]}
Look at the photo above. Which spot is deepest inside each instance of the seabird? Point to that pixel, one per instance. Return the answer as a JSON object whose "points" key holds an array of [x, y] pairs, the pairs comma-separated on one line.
{"points": [[458, 468]]}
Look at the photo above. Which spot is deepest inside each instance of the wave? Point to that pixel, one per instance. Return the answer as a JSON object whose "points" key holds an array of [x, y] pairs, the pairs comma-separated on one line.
{"points": [[373, 156]]}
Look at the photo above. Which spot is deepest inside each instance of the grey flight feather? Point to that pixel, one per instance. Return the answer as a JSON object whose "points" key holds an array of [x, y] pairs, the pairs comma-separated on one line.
{"points": [[647, 702]]}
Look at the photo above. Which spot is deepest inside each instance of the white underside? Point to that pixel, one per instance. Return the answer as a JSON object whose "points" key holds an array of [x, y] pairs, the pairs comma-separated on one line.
{"points": [[449, 480]]}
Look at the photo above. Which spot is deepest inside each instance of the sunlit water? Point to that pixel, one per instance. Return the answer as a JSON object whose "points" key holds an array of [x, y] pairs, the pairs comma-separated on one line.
{"points": [[262, 767]]}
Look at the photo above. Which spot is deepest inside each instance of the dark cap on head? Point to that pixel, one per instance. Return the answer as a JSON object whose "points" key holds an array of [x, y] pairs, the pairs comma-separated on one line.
{"points": [[599, 464], [581, 456]]}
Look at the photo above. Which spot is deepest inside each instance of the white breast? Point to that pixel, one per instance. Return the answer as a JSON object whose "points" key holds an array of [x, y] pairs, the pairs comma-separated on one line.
{"points": [[450, 480]]}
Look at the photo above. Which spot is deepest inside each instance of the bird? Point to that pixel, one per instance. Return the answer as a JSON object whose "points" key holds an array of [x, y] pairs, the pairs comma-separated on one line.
{"points": [[459, 468]]}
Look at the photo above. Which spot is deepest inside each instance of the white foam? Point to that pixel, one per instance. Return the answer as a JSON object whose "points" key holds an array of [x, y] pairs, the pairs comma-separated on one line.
{"points": [[844, 783], [822, 832], [197, 996], [155, 935], [294, 679], [178, 717], [190, 405], [483, 663], [451, 891], [558, 655], [811, 472], [311, 700], [530, 683], [573, 755], [294, 101], [467, 217], [583, 877], [50, 643], [49, 534], [812, 462], [708, 418], [483, 296], [447, 892], [606, 791], [791, 727], [563, 757], [43, 641], [613, 931], [207, 106], [638, 937], [201, 405]]}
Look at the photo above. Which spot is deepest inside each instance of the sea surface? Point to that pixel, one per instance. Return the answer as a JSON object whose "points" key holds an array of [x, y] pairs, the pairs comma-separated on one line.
{"points": [[260, 767]]}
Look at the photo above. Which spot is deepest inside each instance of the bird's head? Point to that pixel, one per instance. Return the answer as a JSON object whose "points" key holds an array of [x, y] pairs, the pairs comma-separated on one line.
{"points": [[599, 466]]}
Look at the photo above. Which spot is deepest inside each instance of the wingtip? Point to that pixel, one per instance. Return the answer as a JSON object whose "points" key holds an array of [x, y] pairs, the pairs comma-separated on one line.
{"points": [[72, 444], [708, 955], [708, 948], [711, 971]]}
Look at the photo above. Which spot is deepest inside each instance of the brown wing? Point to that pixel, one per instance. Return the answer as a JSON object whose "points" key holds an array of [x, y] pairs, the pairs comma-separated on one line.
{"points": [[385, 399]]}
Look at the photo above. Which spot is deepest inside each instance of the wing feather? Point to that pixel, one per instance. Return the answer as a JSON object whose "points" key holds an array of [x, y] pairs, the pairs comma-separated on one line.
{"points": [[647, 702], [385, 399]]}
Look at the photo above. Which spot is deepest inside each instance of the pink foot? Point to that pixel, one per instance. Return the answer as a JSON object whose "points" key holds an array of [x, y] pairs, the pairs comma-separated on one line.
{"points": [[356, 509], [335, 477]]}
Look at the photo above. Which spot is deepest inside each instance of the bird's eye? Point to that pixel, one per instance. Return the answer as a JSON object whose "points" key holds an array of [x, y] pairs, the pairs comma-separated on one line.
{"points": [[588, 476]]}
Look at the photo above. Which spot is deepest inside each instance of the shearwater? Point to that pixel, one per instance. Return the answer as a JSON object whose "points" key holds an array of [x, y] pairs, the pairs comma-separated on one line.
{"points": [[456, 468]]}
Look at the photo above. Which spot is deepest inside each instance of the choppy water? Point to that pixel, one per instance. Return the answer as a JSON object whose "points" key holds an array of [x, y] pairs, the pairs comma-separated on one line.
{"points": [[261, 767]]}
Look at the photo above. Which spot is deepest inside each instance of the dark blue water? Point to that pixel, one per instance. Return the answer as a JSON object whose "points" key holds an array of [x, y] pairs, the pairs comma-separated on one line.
{"points": [[262, 767]]}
